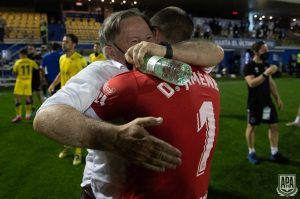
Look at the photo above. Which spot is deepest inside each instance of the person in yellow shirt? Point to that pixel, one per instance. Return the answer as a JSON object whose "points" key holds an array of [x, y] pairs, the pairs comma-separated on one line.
{"points": [[70, 64], [23, 71], [97, 55]]}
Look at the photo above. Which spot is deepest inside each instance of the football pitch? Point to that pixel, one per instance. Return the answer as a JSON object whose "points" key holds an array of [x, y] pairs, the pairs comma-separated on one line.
{"points": [[30, 168]]}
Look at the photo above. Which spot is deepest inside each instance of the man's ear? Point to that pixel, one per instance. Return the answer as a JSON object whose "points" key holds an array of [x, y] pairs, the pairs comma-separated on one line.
{"points": [[158, 35], [155, 33], [109, 52], [74, 45]]}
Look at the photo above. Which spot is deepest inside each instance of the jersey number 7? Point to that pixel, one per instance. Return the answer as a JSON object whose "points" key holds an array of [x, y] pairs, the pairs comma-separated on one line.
{"points": [[206, 119]]}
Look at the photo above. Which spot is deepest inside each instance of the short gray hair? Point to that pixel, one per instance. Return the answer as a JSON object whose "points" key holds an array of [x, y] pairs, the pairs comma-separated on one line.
{"points": [[111, 26]]}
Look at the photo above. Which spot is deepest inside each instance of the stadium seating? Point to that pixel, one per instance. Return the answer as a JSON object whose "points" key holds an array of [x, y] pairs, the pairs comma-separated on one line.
{"points": [[21, 25], [85, 28]]}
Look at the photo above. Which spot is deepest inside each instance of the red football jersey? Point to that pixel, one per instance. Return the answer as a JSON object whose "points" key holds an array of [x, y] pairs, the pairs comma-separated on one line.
{"points": [[191, 123]]}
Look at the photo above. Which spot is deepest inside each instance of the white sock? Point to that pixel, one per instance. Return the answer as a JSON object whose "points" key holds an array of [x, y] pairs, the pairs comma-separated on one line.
{"points": [[251, 150], [274, 150], [297, 120]]}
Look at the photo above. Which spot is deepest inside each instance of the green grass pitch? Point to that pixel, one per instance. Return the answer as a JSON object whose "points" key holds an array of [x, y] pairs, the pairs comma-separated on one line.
{"points": [[30, 168]]}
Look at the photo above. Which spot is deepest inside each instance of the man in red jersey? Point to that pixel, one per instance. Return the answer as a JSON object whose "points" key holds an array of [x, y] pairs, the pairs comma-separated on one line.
{"points": [[191, 123]]}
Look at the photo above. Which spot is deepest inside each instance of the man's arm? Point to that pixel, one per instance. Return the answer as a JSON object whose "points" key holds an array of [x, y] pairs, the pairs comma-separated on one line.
{"points": [[35, 65], [131, 141], [198, 53], [42, 76], [75, 98], [253, 81], [54, 83], [274, 92], [15, 69]]}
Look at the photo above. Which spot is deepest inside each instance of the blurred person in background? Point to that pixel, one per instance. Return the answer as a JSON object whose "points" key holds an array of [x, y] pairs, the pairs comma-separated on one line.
{"points": [[292, 64], [36, 79], [70, 63], [23, 69], [50, 65], [206, 30], [197, 31], [97, 55], [2, 28], [44, 30], [260, 108]]}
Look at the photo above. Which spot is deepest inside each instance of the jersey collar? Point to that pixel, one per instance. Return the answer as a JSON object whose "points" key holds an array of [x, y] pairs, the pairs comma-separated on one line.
{"points": [[74, 55]]}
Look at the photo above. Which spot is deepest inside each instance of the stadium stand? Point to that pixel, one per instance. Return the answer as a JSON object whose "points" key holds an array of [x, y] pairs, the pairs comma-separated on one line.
{"points": [[23, 25], [85, 28]]}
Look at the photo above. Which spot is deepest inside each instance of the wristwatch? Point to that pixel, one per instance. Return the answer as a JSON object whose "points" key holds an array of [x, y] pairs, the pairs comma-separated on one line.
{"points": [[169, 50]]}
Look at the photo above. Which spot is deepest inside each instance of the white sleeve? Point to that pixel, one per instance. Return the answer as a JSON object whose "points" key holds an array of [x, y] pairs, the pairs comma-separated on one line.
{"points": [[88, 169], [83, 88], [209, 69]]}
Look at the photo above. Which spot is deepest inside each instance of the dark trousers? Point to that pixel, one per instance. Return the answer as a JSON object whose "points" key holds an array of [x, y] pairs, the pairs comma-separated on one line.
{"points": [[87, 192]]}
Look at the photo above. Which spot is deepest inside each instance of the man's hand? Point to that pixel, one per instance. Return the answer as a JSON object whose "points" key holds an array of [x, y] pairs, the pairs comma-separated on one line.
{"points": [[51, 89], [135, 54], [136, 145], [271, 70], [279, 103]]}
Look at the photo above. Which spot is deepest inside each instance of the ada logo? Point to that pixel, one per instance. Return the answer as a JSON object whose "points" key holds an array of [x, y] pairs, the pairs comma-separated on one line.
{"points": [[287, 185]]}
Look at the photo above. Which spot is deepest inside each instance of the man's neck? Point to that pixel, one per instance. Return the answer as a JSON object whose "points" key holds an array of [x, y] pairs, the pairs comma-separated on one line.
{"points": [[256, 59], [70, 53]]}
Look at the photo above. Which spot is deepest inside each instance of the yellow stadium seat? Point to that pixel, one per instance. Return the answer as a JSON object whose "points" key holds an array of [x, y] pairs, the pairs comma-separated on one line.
{"points": [[23, 24]]}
